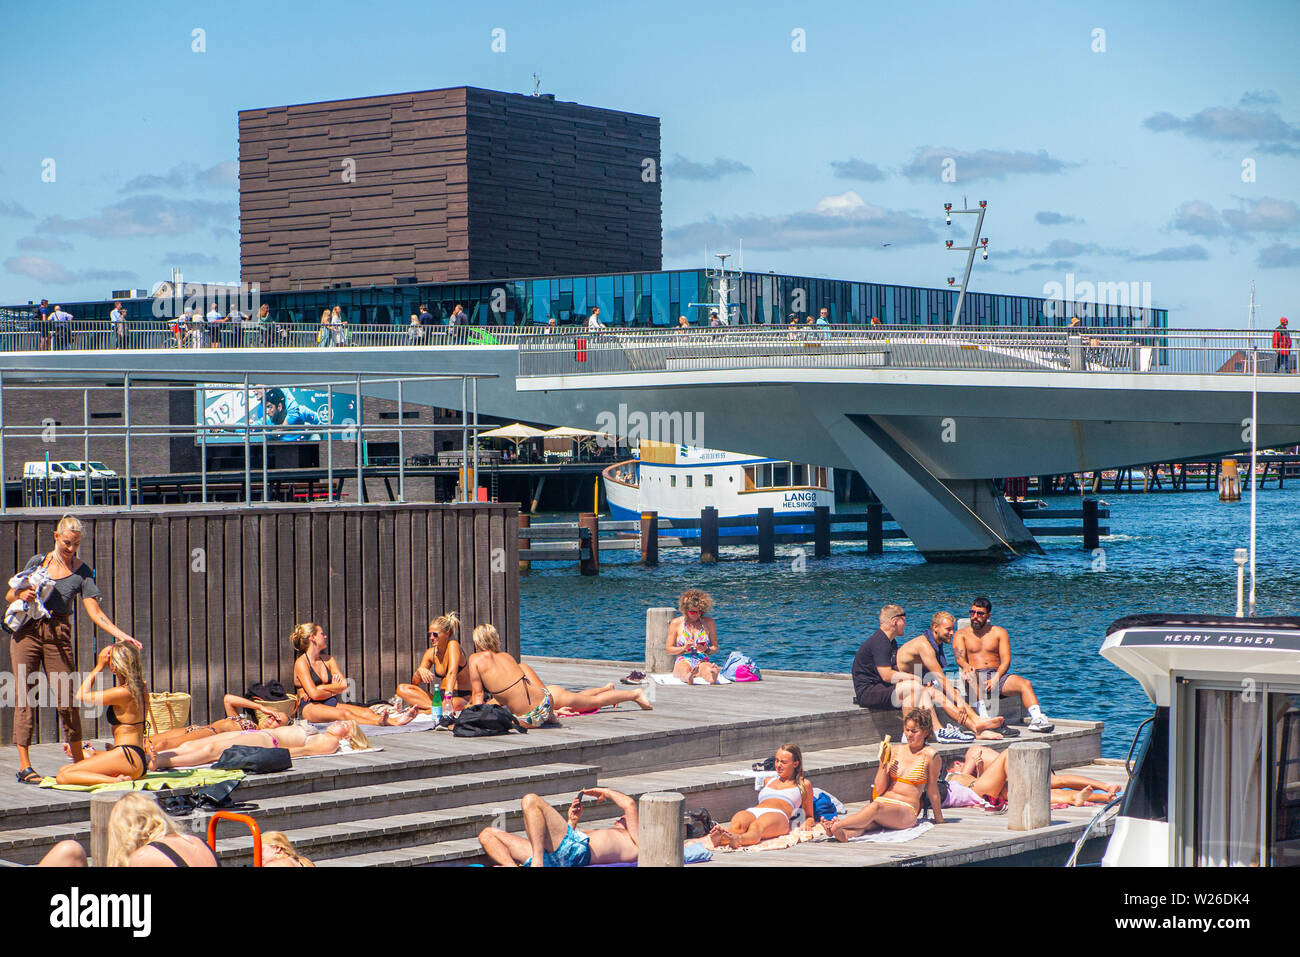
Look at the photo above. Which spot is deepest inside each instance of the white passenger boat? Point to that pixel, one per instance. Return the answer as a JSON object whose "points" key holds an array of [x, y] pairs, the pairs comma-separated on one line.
{"points": [[678, 481]]}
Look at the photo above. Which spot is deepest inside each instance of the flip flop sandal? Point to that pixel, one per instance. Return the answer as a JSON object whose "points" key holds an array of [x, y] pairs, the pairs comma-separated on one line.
{"points": [[1006, 732], [634, 678], [29, 775]]}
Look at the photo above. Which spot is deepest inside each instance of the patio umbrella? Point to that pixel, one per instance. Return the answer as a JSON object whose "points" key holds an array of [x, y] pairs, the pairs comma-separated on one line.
{"points": [[517, 432]]}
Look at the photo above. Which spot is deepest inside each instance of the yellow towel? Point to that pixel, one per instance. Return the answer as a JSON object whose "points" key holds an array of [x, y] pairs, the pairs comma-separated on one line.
{"points": [[154, 781]]}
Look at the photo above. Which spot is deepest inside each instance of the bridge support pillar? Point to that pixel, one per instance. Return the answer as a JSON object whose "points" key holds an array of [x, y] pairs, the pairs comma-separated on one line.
{"points": [[948, 520]]}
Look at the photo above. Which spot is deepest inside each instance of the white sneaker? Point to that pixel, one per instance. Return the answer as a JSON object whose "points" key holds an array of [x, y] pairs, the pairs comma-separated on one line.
{"points": [[953, 734], [1040, 724]]}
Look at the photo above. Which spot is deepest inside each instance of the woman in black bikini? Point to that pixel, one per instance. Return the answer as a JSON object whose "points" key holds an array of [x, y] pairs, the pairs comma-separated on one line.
{"points": [[446, 664], [320, 681], [141, 835], [127, 705]]}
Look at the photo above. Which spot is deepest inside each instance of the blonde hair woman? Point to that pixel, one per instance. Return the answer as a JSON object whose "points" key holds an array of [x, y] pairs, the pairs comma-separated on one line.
{"points": [[693, 636], [128, 704], [278, 852], [301, 740], [445, 664], [141, 835], [47, 642], [320, 681], [533, 702], [781, 796]]}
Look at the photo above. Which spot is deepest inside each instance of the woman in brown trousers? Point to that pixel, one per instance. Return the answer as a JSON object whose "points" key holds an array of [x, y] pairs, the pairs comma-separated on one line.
{"points": [[47, 642]]}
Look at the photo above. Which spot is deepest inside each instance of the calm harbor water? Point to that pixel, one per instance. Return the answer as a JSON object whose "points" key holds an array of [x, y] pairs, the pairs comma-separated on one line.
{"points": [[1169, 552]]}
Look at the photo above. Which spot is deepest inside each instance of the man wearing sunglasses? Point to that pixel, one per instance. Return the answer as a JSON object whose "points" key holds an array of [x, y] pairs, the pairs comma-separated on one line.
{"points": [[983, 653]]}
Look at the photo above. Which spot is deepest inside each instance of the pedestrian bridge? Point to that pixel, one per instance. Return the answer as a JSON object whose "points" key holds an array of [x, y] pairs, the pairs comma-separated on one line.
{"points": [[927, 415]]}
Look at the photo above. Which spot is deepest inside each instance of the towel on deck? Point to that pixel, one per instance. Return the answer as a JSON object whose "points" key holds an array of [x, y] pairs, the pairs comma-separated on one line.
{"points": [[892, 837], [674, 680], [155, 780]]}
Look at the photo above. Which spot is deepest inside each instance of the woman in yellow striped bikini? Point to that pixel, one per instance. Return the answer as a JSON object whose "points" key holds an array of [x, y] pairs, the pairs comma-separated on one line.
{"points": [[905, 771]]}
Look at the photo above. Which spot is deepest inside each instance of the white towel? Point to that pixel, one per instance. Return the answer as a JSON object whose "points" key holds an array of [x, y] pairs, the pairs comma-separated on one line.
{"points": [[674, 680], [893, 837]]}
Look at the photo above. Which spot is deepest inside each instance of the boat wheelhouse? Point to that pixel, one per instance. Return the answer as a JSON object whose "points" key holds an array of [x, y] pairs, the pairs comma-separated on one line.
{"points": [[1217, 782]]}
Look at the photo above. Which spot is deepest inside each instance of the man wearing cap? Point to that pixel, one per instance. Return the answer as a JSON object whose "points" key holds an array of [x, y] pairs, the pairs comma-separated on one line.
{"points": [[1282, 346]]}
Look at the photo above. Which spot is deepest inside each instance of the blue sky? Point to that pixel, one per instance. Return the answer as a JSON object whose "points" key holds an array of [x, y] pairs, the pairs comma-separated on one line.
{"points": [[1117, 166]]}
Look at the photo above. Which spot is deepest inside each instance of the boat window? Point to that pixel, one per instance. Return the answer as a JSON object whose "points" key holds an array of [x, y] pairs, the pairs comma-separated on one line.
{"points": [[781, 474], [1226, 776], [672, 481], [708, 480], [1148, 793], [690, 481], [798, 474], [1284, 781]]}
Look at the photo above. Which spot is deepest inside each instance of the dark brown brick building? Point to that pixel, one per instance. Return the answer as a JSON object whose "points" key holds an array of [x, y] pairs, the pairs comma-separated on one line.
{"points": [[445, 186]]}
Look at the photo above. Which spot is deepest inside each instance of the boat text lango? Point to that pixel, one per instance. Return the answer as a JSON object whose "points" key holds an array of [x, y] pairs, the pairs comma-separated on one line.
{"points": [[679, 481]]}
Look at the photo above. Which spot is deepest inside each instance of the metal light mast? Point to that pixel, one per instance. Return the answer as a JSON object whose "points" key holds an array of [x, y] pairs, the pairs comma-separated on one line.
{"points": [[976, 243]]}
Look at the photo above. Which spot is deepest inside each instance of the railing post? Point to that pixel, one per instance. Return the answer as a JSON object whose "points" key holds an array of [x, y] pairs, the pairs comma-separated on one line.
{"points": [[821, 531], [661, 830], [650, 539], [361, 445], [1091, 538], [126, 418], [4, 488], [525, 543], [85, 440], [1029, 784], [589, 564], [875, 528], [657, 660], [766, 535], [709, 535]]}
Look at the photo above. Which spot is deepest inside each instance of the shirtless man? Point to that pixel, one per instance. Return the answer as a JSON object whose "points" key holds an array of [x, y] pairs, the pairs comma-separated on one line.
{"points": [[554, 842], [923, 657], [983, 652]]}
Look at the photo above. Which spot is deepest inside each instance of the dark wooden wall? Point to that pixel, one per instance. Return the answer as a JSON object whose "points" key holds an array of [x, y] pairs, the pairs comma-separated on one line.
{"points": [[371, 575], [449, 185]]}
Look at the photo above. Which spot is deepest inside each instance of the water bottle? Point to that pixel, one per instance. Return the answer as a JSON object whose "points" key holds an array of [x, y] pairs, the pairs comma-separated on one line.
{"points": [[436, 710]]}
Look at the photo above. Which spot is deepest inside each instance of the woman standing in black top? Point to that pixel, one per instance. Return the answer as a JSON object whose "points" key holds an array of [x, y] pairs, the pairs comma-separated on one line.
{"points": [[48, 641], [127, 703]]}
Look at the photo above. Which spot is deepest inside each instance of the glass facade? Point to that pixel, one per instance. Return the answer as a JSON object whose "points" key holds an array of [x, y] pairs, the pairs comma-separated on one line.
{"points": [[657, 299]]}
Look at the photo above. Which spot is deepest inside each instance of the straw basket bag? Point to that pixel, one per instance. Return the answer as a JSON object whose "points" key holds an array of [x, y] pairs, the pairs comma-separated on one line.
{"points": [[168, 710], [286, 706]]}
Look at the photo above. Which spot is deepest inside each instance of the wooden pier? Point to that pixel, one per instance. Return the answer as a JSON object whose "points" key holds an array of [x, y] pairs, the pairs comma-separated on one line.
{"points": [[423, 798]]}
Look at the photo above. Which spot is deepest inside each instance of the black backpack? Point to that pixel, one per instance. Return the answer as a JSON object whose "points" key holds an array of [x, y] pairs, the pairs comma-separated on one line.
{"points": [[241, 757], [484, 720]]}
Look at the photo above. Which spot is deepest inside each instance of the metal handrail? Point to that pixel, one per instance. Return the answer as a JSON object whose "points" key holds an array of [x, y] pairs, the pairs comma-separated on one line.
{"points": [[575, 349]]}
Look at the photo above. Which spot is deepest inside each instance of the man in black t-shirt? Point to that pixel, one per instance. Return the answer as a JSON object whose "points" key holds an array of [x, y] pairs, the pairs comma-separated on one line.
{"points": [[874, 676]]}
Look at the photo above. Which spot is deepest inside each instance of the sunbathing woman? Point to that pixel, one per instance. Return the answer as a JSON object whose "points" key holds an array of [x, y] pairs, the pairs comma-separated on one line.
{"points": [[445, 663], [141, 835], [127, 704], [984, 771], [777, 802], [523, 692], [233, 721], [300, 740], [693, 636], [905, 771], [278, 852], [320, 681]]}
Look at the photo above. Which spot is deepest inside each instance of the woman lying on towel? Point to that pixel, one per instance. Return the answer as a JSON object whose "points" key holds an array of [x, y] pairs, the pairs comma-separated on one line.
{"points": [[320, 681], [777, 802], [127, 707], [905, 771], [984, 771], [301, 740], [528, 699], [234, 720]]}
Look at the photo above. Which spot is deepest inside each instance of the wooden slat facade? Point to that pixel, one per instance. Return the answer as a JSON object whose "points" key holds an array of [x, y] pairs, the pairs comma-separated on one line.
{"points": [[450, 185], [219, 619]]}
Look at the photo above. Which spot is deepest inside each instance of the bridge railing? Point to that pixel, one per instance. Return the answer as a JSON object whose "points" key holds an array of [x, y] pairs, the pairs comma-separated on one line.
{"points": [[839, 347], [571, 350]]}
